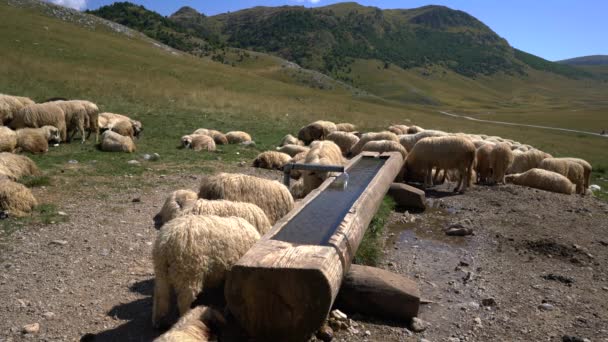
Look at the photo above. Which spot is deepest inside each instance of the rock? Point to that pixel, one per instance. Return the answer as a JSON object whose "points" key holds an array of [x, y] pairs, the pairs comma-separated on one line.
{"points": [[104, 252], [33, 328], [546, 307], [488, 302], [595, 187], [133, 162], [368, 333], [49, 315], [418, 325], [72, 161], [3, 215], [325, 334], [248, 143], [455, 230], [59, 242], [605, 288], [567, 338], [477, 321], [407, 196], [62, 213], [151, 157], [136, 200], [338, 315]]}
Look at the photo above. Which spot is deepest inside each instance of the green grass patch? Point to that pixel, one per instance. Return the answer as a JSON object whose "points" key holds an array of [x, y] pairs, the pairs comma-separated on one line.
{"points": [[370, 249], [43, 214], [35, 181]]}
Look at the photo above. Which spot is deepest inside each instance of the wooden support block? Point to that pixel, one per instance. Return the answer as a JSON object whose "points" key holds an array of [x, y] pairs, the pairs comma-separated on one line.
{"points": [[407, 196], [283, 288], [378, 293]]}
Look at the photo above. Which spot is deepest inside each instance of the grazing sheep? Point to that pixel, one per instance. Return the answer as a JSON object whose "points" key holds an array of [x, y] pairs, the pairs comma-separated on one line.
{"points": [[586, 166], [192, 253], [109, 120], [408, 141], [199, 142], [290, 140], [114, 142], [542, 179], [322, 153], [218, 137], [414, 129], [92, 118], [501, 159], [297, 159], [38, 115], [76, 117], [32, 140], [345, 127], [525, 161], [272, 160], [15, 198], [382, 146], [237, 137], [398, 129], [483, 166], [444, 153], [176, 203], [271, 196], [568, 168], [9, 105], [224, 208], [317, 130], [367, 137], [197, 325], [292, 149], [344, 140], [124, 128], [8, 139], [297, 189], [15, 166]]}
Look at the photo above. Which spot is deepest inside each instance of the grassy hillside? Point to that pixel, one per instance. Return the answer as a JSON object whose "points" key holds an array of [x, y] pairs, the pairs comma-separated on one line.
{"points": [[586, 60], [174, 93]]}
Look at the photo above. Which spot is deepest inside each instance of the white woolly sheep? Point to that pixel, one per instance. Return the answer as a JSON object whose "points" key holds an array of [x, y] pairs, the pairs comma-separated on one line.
{"points": [[38, 115], [344, 140], [408, 141], [414, 129], [367, 137], [193, 253], [525, 161], [398, 129], [271, 196], [382, 146], [292, 149], [568, 168], [317, 130], [32, 140], [443, 153], [108, 120], [237, 137], [15, 198], [501, 159], [114, 142], [272, 160], [345, 127], [542, 179], [92, 118], [8, 139], [9, 105], [290, 140], [586, 166], [14, 166], [76, 117], [322, 153], [297, 159], [176, 203], [124, 128], [199, 142], [483, 166], [197, 325]]}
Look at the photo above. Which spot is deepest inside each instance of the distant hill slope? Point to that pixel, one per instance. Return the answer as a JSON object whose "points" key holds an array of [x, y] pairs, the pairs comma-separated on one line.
{"points": [[586, 60], [329, 39]]}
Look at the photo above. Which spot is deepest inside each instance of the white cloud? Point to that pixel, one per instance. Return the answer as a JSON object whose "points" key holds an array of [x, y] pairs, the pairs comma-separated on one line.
{"points": [[78, 4], [309, 1]]}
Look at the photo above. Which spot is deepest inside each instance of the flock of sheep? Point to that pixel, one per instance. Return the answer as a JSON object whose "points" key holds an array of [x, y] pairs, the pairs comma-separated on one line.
{"points": [[203, 234]]}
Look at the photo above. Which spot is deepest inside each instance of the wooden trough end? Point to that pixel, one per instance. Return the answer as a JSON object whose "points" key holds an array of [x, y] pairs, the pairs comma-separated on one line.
{"points": [[284, 287]]}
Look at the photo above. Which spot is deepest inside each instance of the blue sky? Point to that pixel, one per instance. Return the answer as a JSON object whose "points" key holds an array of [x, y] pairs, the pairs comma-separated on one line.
{"points": [[552, 29]]}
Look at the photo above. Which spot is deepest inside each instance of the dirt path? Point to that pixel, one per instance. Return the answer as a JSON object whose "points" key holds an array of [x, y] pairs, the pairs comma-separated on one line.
{"points": [[522, 125], [93, 274]]}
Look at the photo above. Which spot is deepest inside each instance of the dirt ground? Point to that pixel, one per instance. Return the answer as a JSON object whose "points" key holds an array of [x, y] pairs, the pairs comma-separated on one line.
{"points": [[93, 274]]}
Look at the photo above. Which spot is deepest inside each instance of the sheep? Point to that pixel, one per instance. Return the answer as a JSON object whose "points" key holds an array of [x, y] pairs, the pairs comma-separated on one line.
{"points": [[586, 166], [317, 130], [501, 159], [176, 203], [298, 158], [197, 325], [568, 168], [292, 149], [15, 198], [192, 253], [367, 137], [271, 196], [272, 160], [8, 139], [322, 153], [525, 161], [9, 105], [198, 142], [344, 140], [124, 128], [14, 166], [114, 142], [443, 153], [483, 166], [414, 129], [75, 118], [42, 114], [542, 179], [32, 140], [297, 189], [290, 140], [108, 120], [218, 137], [398, 129], [237, 137], [92, 118], [345, 127], [409, 140], [382, 146]]}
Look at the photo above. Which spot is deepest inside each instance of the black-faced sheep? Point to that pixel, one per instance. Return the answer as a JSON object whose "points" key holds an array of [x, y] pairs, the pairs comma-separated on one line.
{"points": [[344, 140], [8, 139], [271, 196], [317, 130], [542, 179], [14, 166], [237, 137], [199, 142], [367, 137], [290, 140], [321, 153], [345, 127], [382, 146], [197, 325], [38, 115], [292, 149], [272, 160], [15, 198], [114, 142], [193, 253], [568, 168], [444, 153]]}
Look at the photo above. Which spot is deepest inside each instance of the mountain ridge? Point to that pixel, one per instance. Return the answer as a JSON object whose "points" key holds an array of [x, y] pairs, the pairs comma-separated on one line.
{"points": [[586, 60]]}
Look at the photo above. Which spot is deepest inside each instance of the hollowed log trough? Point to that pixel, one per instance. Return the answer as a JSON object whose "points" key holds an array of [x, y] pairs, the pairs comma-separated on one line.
{"points": [[284, 287]]}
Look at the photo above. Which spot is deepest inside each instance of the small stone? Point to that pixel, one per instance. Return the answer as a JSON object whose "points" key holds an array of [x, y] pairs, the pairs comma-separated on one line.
{"points": [[49, 315], [353, 331], [33, 328], [339, 315], [418, 325], [605, 288], [59, 242], [133, 162], [248, 143], [123, 221], [368, 333], [104, 252], [477, 321], [459, 231], [62, 213], [546, 307], [488, 302], [242, 164], [72, 161], [391, 264], [136, 200], [325, 334]]}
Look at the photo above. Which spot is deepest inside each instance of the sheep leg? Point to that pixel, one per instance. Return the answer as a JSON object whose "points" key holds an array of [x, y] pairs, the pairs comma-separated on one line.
{"points": [[81, 130], [428, 177], [162, 292], [461, 176], [185, 296]]}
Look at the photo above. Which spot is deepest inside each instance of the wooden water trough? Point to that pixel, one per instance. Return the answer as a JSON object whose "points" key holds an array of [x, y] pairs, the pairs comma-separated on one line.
{"points": [[283, 287]]}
